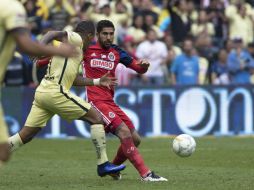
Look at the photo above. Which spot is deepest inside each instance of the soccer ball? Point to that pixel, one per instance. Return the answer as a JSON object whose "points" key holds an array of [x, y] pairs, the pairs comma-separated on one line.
{"points": [[184, 145]]}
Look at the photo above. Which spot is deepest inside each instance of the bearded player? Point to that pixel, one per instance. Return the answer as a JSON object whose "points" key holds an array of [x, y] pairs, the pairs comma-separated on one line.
{"points": [[99, 59]]}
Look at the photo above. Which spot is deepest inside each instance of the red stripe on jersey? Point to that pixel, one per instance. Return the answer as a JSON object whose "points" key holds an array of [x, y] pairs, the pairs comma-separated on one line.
{"points": [[106, 120]]}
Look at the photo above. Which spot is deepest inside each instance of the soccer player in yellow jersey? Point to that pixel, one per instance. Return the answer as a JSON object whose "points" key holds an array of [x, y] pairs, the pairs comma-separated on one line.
{"points": [[53, 96], [13, 30]]}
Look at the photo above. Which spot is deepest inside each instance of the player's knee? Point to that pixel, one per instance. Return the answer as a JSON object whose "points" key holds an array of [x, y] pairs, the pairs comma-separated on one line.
{"points": [[123, 132], [136, 138], [137, 141]]}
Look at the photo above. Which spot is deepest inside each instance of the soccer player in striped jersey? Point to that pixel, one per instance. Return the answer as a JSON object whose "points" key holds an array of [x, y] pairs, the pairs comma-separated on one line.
{"points": [[53, 96]]}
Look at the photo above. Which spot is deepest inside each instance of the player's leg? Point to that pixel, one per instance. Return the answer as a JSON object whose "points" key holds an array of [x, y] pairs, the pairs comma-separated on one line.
{"points": [[129, 149], [136, 137], [131, 152], [4, 147], [35, 121], [4, 152], [97, 134], [120, 156], [115, 125], [73, 107], [113, 116], [104, 167], [25, 135]]}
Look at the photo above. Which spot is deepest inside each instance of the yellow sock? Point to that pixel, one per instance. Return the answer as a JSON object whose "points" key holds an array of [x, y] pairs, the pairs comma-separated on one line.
{"points": [[15, 142], [99, 141]]}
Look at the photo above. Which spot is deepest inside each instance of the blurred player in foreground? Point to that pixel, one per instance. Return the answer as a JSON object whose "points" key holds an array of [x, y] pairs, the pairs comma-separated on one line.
{"points": [[53, 96], [13, 30], [101, 58]]}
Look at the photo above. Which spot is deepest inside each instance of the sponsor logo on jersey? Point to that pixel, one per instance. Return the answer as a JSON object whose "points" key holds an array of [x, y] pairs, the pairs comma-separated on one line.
{"points": [[98, 63], [111, 115], [49, 77], [129, 150], [111, 56]]}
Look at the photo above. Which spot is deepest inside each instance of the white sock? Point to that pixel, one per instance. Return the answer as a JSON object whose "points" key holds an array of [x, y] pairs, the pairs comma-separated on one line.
{"points": [[99, 141], [15, 142]]}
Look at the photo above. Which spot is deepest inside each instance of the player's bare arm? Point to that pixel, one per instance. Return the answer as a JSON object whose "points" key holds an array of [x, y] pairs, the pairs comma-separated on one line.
{"points": [[105, 81], [27, 45], [81, 81], [54, 35]]}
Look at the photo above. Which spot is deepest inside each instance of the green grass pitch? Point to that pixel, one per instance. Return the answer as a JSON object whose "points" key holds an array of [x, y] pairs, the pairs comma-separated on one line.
{"points": [[218, 163]]}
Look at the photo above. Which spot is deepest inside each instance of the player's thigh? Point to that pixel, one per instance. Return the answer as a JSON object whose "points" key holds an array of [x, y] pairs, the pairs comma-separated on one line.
{"points": [[110, 117], [69, 106], [127, 124], [92, 116], [122, 117], [38, 117], [125, 118], [3, 128]]}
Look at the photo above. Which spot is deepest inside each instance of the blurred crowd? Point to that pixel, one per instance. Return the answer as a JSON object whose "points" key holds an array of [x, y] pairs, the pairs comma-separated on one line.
{"points": [[186, 41]]}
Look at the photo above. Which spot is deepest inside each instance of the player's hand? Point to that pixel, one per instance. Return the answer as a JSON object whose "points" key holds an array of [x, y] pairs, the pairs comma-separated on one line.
{"points": [[108, 81], [144, 64]]}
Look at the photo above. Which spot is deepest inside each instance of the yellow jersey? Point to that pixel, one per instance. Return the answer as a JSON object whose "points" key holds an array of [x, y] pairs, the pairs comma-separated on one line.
{"points": [[12, 16], [62, 71]]}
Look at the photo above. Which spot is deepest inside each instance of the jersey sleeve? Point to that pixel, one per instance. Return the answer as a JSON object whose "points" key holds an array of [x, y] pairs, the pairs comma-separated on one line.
{"points": [[75, 39], [125, 58], [134, 66], [16, 17]]}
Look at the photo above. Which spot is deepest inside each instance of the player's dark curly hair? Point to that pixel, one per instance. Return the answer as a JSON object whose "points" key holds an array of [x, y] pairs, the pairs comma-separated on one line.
{"points": [[85, 27], [104, 24]]}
